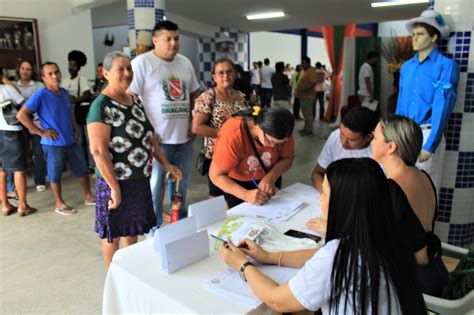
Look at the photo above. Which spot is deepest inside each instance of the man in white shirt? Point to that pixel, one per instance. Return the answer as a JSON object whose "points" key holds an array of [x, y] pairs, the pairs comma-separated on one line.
{"points": [[12, 150], [167, 84], [266, 83], [255, 71], [351, 140], [366, 78]]}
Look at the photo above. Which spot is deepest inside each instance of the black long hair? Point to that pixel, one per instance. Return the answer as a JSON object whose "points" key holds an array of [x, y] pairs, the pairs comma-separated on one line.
{"points": [[277, 122], [360, 216]]}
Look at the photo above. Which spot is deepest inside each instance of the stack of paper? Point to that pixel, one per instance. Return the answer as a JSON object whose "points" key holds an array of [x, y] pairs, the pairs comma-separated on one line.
{"points": [[276, 210], [230, 285]]}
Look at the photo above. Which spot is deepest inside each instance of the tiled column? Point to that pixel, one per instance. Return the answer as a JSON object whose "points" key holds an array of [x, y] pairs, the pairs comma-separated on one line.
{"points": [[228, 43], [142, 17], [455, 223]]}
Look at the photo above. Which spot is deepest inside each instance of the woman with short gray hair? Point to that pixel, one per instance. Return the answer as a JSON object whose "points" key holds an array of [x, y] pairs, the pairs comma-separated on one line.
{"points": [[396, 146], [122, 142]]}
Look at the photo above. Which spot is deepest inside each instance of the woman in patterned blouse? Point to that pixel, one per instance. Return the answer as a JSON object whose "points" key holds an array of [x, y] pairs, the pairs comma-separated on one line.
{"points": [[213, 107], [122, 142]]}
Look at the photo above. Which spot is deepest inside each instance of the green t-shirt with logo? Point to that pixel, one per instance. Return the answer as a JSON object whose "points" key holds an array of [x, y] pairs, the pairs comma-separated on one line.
{"points": [[130, 136]]}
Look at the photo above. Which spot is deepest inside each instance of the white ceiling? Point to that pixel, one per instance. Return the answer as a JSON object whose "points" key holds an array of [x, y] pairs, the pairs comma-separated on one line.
{"points": [[299, 13]]}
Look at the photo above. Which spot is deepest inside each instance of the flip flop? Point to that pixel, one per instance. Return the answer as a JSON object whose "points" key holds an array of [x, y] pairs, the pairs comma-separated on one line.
{"points": [[24, 213], [10, 211], [65, 210], [15, 196]]}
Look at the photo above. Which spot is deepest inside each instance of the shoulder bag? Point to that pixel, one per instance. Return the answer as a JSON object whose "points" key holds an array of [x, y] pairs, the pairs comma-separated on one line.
{"points": [[202, 162], [252, 143]]}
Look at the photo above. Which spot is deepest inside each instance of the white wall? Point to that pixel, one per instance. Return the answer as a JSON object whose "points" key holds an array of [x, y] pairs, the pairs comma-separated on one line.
{"points": [[387, 29], [120, 34], [188, 45], [60, 30], [317, 51], [276, 47]]}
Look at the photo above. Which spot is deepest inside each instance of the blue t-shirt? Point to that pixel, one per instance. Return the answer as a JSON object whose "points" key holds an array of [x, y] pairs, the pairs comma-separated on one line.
{"points": [[54, 112]]}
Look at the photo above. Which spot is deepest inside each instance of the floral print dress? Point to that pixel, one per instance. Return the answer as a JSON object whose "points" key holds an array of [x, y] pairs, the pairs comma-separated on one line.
{"points": [[131, 154]]}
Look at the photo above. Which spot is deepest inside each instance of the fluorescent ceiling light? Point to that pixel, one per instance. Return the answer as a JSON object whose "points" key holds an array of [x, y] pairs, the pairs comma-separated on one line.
{"points": [[393, 3], [268, 15]]}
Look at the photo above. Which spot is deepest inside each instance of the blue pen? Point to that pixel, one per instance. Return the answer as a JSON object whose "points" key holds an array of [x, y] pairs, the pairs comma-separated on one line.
{"points": [[255, 182]]}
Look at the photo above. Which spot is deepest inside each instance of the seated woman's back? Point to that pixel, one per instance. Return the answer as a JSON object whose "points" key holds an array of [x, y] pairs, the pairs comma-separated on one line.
{"points": [[420, 193]]}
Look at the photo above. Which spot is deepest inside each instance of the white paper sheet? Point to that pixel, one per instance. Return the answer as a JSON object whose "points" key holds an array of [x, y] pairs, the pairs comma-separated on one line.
{"points": [[276, 210], [172, 232], [208, 211], [183, 252], [230, 285], [302, 190]]}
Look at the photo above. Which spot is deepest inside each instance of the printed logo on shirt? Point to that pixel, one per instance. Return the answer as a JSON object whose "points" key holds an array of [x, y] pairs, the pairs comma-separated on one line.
{"points": [[174, 88], [254, 164]]}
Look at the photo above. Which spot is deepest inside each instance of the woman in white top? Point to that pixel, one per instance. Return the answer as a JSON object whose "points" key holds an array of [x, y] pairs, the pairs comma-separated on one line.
{"points": [[362, 269], [27, 86]]}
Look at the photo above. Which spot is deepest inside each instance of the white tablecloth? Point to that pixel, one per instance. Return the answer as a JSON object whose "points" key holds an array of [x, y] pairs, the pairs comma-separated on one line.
{"points": [[136, 284]]}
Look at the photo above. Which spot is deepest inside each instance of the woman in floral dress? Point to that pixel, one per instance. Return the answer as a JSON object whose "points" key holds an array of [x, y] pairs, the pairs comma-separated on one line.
{"points": [[122, 142], [213, 107]]}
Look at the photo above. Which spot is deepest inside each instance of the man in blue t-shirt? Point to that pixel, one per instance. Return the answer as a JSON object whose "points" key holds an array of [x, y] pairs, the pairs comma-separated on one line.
{"points": [[53, 108]]}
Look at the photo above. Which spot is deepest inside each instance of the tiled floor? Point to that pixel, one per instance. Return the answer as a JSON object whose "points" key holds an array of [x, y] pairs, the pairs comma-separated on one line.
{"points": [[53, 264]]}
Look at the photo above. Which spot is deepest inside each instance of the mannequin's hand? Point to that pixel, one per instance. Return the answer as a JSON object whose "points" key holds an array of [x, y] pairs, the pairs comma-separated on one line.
{"points": [[424, 156]]}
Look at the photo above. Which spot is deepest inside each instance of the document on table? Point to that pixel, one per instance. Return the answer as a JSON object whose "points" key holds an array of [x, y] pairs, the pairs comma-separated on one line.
{"points": [[302, 190], [276, 210], [230, 285]]}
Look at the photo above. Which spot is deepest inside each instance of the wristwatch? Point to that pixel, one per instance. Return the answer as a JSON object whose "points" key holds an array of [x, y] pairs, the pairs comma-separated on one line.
{"points": [[242, 269]]}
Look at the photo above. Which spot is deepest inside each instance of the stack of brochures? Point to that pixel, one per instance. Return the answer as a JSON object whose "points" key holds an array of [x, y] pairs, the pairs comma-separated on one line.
{"points": [[276, 210]]}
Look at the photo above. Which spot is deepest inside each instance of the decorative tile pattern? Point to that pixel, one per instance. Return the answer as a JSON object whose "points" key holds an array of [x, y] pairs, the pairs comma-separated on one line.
{"points": [[453, 132], [131, 19], [227, 43], [159, 15], [431, 4], [461, 234], [457, 47], [445, 204], [469, 95], [144, 3], [465, 173], [456, 223]]}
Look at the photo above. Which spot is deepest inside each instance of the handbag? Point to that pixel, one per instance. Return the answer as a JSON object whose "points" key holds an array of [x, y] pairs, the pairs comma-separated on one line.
{"points": [[252, 143], [9, 110], [202, 162]]}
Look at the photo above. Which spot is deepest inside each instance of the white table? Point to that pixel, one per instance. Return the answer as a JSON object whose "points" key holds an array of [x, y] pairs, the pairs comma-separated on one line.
{"points": [[136, 284]]}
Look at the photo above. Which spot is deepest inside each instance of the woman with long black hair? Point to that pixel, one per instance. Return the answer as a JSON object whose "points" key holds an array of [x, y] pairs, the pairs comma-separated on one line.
{"points": [[362, 269], [251, 153]]}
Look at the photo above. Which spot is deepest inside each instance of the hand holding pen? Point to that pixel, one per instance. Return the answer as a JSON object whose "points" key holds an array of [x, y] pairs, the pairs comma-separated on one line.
{"points": [[256, 196]]}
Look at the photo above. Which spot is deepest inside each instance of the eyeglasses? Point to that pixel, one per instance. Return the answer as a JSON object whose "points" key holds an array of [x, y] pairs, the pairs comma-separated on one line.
{"points": [[270, 141], [222, 73]]}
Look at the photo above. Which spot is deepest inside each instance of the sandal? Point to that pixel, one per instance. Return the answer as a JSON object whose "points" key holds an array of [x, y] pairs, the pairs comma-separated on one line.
{"points": [[65, 210], [27, 211], [10, 210], [12, 195]]}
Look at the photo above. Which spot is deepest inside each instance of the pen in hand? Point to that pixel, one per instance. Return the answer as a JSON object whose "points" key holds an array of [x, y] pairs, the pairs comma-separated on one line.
{"points": [[255, 182], [219, 239]]}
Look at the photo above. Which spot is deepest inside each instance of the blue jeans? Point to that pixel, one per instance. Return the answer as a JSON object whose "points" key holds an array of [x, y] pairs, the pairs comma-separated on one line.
{"points": [[180, 155], [10, 182], [57, 156]]}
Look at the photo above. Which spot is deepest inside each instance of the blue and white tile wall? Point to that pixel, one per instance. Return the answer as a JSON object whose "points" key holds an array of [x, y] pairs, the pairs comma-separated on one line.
{"points": [[455, 222], [142, 16], [235, 45]]}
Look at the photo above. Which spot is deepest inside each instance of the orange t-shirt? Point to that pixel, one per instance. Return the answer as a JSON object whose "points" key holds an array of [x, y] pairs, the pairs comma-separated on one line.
{"points": [[233, 151]]}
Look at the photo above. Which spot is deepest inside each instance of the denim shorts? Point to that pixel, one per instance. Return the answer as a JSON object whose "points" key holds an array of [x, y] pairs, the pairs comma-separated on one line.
{"points": [[12, 151], [57, 156]]}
